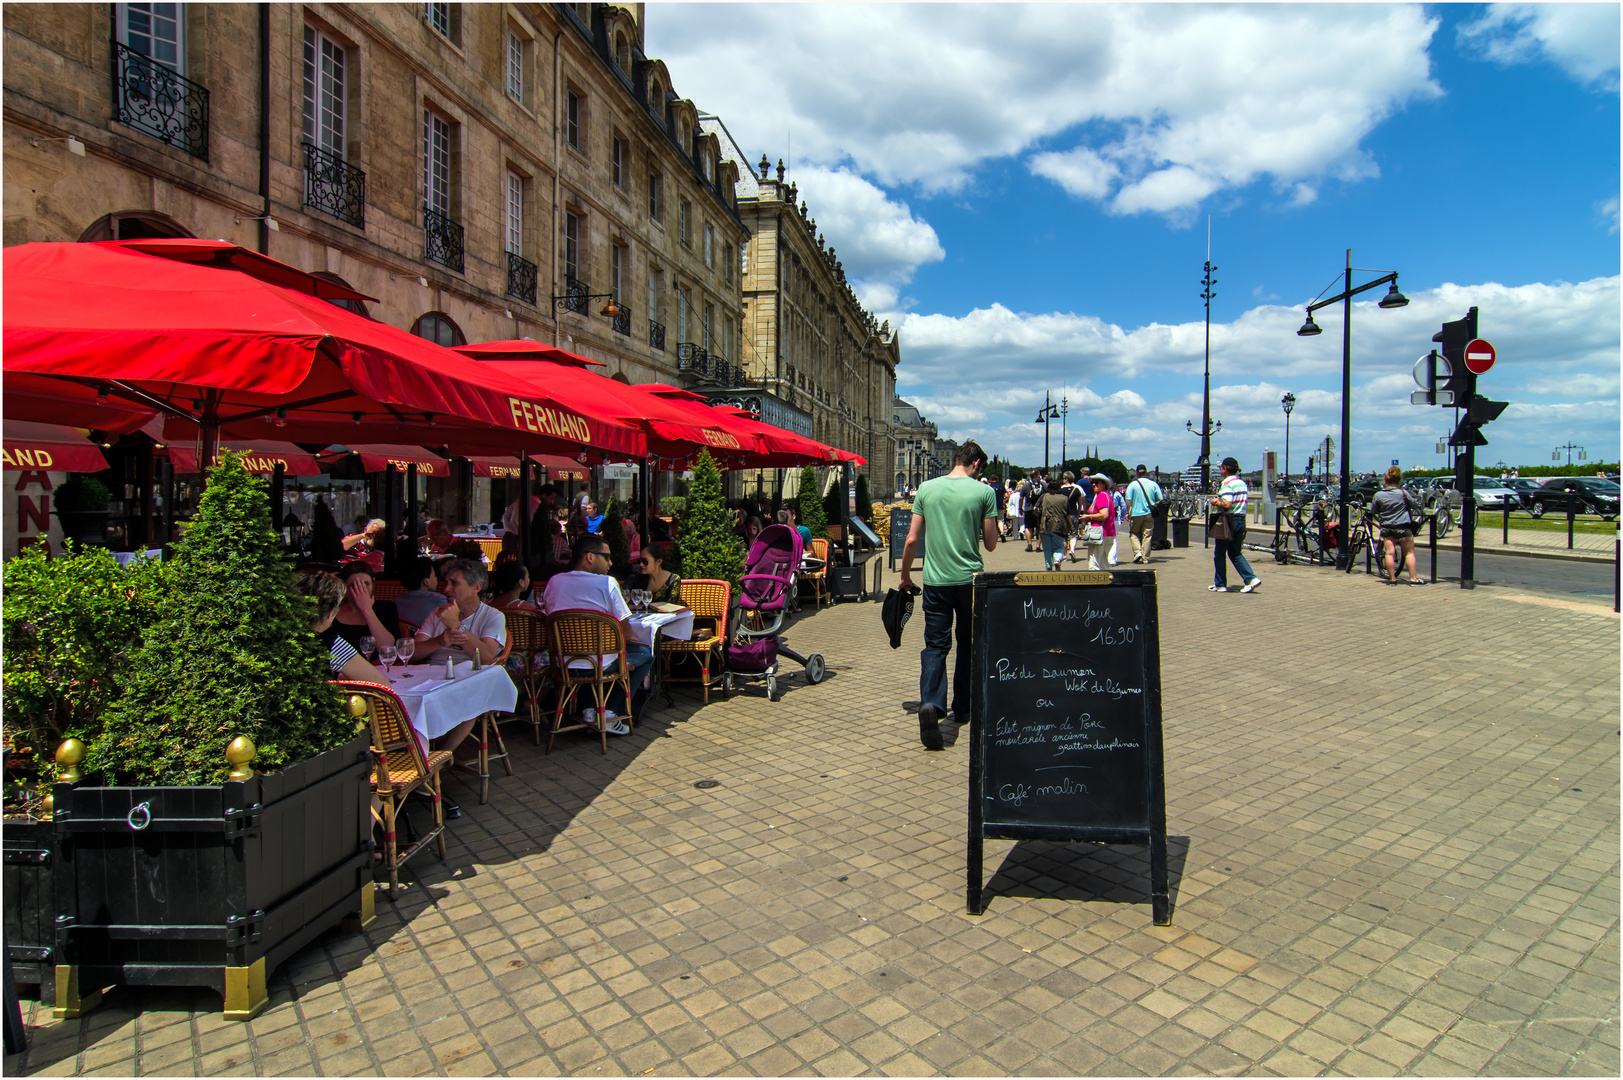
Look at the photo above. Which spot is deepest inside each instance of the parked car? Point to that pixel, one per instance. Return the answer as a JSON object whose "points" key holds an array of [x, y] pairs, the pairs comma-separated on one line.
{"points": [[1486, 491], [1592, 496]]}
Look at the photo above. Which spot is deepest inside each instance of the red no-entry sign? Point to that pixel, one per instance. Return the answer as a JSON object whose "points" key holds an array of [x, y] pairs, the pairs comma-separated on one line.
{"points": [[1479, 356]]}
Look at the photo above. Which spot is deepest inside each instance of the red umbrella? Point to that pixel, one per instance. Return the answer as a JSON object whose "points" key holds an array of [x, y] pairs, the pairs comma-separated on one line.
{"points": [[377, 457], [34, 446], [671, 432], [779, 447], [258, 456], [526, 349], [237, 354]]}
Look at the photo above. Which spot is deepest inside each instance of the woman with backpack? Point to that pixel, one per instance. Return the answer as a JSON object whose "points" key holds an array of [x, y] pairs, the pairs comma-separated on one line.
{"points": [[1399, 515]]}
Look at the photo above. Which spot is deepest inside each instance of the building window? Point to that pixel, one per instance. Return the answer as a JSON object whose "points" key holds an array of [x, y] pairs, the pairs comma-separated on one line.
{"points": [[437, 327], [709, 317], [323, 92], [726, 337], [622, 53], [515, 65], [684, 228], [622, 162], [656, 285], [439, 17], [744, 257], [656, 98], [684, 301], [515, 214], [154, 31], [151, 93], [574, 227], [574, 120], [656, 196], [437, 162], [617, 271], [709, 244], [727, 261]]}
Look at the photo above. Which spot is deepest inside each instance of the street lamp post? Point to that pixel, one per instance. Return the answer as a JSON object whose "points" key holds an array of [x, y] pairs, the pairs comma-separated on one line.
{"points": [[1288, 402], [1064, 413], [1392, 299], [1207, 429], [1049, 412]]}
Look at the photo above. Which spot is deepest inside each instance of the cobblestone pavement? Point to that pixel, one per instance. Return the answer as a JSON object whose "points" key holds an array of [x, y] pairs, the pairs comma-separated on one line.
{"points": [[1395, 850]]}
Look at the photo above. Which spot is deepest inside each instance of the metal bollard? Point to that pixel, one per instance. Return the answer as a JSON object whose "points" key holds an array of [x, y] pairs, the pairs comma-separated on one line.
{"points": [[1572, 515], [1506, 539], [1432, 522]]}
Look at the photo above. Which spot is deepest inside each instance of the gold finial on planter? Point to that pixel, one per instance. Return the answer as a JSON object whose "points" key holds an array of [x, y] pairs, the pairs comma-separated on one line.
{"points": [[357, 709], [69, 755], [47, 804], [239, 754]]}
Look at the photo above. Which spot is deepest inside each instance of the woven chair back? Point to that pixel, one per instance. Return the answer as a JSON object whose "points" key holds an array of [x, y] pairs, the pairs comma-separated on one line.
{"points": [[580, 633]]}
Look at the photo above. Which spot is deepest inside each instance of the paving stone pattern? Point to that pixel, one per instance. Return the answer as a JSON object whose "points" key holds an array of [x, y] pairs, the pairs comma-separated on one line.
{"points": [[1395, 850]]}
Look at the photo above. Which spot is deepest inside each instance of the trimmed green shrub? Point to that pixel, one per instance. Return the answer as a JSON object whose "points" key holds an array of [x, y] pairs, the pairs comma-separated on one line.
{"points": [[326, 539], [809, 505], [231, 653], [81, 492], [831, 503], [673, 506], [69, 623], [709, 547], [864, 503]]}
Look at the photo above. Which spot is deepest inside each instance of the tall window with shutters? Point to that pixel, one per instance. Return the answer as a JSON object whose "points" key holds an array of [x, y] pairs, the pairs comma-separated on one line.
{"points": [[323, 92]]}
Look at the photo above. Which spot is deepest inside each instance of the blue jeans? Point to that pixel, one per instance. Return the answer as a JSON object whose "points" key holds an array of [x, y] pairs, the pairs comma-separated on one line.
{"points": [[641, 659], [1053, 549], [942, 604], [1234, 552]]}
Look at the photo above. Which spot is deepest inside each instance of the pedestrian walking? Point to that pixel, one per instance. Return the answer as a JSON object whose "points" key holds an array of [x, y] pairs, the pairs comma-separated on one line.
{"points": [[1399, 515], [1054, 525], [964, 514], [1032, 504], [1074, 495], [1143, 496], [1097, 523], [1118, 521], [1226, 526]]}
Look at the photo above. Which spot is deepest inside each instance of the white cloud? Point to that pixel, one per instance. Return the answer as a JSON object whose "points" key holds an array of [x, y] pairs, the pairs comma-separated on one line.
{"points": [[986, 372], [877, 239], [1607, 209], [1582, 39], [1156, 106]]}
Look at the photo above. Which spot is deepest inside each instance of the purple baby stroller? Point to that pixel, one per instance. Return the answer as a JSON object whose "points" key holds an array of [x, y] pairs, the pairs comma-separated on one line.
{"points": [[765, 597]]}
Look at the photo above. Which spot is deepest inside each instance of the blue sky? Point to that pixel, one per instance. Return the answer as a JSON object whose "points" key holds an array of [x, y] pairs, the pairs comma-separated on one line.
{"points": [[1024, 192]]}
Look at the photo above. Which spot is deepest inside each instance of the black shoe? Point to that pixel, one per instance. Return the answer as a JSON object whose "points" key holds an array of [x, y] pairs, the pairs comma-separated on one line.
{"points": [[930, 727], [448, 809]]}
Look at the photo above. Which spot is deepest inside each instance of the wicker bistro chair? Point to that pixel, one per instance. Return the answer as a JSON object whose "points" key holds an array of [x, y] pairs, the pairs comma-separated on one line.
{"points": [[386, 589], [709, 600], [529, 639], [402, 767], [487, 726], [491, 549], [579, 634], [818, 577]]}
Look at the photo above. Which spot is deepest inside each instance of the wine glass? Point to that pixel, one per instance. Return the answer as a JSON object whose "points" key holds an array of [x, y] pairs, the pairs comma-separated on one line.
{"points": [[642, 599], [386, 655], [368, 646], [404, 648]]}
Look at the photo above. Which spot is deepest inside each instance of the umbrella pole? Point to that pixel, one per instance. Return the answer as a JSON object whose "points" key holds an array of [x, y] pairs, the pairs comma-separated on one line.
{"points": [[645, 476], [524, 540], [391, 513], [166, 519], [411, 505], [277, 479]]}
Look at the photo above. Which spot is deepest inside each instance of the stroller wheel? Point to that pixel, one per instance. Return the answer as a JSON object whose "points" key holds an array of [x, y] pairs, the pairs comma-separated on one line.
{"points": [[814, 668], [727, 682], [771, 688]]}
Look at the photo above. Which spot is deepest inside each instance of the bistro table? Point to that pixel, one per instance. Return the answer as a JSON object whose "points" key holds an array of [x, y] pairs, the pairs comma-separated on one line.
{"points": [[436, 705], [646, 627]]}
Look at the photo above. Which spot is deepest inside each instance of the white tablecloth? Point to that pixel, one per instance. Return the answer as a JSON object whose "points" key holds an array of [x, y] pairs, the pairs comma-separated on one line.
{"points": [[436, 706], [676, 624]]}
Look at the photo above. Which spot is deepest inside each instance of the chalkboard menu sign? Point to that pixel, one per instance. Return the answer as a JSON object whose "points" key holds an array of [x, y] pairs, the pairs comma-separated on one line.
{"points": [[1066, 736], [900, 522]]}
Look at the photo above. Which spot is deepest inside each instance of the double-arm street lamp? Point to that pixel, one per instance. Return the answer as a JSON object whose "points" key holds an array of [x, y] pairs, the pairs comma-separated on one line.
{"points": [[1288, 402], [1049, 412], [1392, 299]]}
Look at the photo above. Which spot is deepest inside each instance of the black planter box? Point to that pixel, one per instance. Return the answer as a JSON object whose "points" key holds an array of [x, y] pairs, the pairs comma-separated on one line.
{"points": [[208, 886], [30, 904]]}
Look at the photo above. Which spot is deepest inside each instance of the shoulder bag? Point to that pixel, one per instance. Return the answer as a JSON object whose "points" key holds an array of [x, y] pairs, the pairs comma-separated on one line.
{"points": [[1221, 525]]}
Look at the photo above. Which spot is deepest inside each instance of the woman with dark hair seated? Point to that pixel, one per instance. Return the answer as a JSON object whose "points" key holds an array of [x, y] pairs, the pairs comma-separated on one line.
{"points": [[663, 585], [361, 616], [510, 584]]}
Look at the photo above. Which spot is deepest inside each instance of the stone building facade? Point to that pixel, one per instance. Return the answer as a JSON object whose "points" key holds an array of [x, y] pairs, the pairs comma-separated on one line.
{"points": [[813, 359], [914, 445], [486, 171]]}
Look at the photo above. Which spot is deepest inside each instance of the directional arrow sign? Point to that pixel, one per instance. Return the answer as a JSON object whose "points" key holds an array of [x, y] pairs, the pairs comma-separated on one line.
{"points": [[1479, 356]]}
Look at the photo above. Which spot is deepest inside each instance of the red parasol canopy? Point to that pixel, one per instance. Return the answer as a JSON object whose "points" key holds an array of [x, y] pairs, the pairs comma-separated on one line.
{"points": [[377, 457], [257, 457], [232, 352], [31, 445], [779, 447], [525, 349]]}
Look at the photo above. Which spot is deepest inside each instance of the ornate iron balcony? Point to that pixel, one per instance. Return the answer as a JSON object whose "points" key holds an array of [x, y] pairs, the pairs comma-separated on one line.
{"points": [[656, 335], [443, 239], [622, 321], [722, 372], [578, 295], [520, 278], [692, 358], [159, 101], [333, 186]]}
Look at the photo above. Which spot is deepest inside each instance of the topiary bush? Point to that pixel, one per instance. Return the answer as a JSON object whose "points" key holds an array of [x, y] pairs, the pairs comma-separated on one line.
{"points": [[69, 623], [708, 545], [831, 502], [864, 503], [326, 539], [82, 492], [809, 505], [231, 653]]}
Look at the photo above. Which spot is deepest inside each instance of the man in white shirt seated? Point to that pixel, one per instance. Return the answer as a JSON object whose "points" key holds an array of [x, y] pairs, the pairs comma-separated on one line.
{"points": [[587, 584], [460, 629]]}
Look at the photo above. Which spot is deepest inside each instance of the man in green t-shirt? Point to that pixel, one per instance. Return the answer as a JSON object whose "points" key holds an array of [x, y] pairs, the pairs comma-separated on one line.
{"points": [[963, 513]]}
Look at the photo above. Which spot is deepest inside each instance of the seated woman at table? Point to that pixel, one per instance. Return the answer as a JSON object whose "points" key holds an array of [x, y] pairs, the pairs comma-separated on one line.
{"points": [[752, 529], [327, 590], [360, 615], [440, 537], [464, 627], [665, 586], [510, 584], [367, 545]]}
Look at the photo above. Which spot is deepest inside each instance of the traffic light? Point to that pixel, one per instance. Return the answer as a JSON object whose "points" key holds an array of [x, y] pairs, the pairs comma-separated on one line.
{"points": [[1453, 338], [1480, 411]]}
